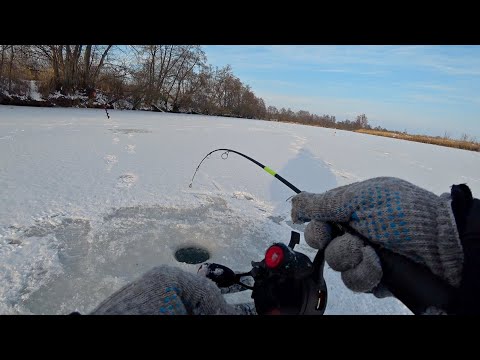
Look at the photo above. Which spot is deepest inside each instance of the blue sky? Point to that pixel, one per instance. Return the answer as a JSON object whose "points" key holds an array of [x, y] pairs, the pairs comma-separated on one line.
{"points": [[421, 89]]}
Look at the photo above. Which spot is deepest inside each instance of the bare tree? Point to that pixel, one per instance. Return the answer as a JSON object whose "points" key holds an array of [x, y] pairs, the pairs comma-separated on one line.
{"points": [[92, 65], [10, 66], [69, 72], [4, 55], [192, 57], [362, 122]]}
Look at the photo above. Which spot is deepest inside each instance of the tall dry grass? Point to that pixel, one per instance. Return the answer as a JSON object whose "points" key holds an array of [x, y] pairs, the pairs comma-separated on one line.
{"points": [[442, 141]]}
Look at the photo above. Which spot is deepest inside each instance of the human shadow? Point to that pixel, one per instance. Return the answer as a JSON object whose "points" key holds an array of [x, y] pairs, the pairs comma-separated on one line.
{"points": [[307, 172]]}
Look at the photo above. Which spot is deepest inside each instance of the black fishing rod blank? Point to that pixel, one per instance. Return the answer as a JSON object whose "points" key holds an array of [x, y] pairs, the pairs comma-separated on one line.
{"points": [[266, 168]]}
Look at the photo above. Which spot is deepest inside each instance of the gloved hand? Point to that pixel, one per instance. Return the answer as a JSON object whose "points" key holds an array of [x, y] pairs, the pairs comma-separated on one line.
{"points": [[390, 212], [167, 290]]}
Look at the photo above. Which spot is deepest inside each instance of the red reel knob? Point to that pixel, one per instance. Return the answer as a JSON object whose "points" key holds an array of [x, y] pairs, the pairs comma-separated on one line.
{"points": [[274, 256]]}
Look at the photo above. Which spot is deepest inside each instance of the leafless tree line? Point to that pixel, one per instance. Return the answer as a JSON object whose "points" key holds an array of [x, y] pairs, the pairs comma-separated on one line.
{"points": [[174, 78], [64, 68], [304, 117], [167, 77], [163, 77]]}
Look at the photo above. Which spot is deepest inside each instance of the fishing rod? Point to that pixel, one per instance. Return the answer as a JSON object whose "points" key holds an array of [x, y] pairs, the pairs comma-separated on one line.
{"points": [[336, 228], [266, 168], [398, 271]]}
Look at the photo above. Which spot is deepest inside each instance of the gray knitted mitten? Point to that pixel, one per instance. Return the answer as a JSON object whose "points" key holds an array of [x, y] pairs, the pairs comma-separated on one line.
{"points": [[390, 212], [167, 290]]}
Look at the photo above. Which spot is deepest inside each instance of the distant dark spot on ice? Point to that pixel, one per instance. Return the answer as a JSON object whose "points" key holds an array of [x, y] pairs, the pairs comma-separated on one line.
{"points": [[276, 219], [130, 131], [14, 241]]}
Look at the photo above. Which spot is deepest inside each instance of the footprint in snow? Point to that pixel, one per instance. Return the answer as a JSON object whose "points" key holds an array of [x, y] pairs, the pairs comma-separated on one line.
{"points": [[127, 180], [130, 149], [110, 160]]}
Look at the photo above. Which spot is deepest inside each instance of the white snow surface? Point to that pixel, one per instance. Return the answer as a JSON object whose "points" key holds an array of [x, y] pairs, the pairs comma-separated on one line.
{"points": [[89, 203]]}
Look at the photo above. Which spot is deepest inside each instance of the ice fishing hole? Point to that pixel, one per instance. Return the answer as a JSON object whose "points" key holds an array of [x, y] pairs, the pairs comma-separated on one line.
{"points": [[192, 255]]}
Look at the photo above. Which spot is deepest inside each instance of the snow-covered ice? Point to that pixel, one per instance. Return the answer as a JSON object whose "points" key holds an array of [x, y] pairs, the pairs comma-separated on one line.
{"points": [[90, 203]]}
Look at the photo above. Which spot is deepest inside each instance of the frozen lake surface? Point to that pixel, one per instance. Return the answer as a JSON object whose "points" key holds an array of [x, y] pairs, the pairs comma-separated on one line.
{"points": [[90, 203]]}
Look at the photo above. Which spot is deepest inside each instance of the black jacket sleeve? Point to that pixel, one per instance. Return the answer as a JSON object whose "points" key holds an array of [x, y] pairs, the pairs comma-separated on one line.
{"points": [[466, 210]]}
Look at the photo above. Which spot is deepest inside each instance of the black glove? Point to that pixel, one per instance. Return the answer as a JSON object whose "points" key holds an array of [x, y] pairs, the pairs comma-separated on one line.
{"points": [[466, 210]]}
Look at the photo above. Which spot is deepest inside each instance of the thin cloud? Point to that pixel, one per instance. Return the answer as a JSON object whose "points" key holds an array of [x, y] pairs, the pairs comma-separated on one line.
{"points": [[400, 86], [333, 70], [353, 71], [435, 87], [457, 70], [416, 57]]}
